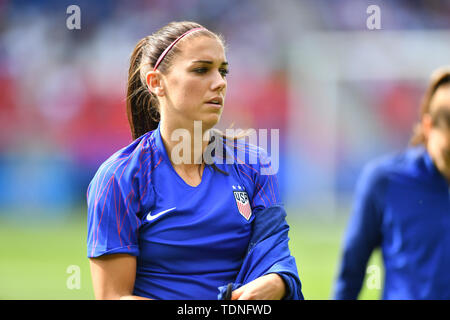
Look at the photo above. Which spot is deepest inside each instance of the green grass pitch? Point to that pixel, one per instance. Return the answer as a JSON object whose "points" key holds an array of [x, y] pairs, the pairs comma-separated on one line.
{"points": [[36, 259]]}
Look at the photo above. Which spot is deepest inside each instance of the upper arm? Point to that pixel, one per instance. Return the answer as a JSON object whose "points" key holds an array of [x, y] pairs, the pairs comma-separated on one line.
{"points": [[364, 230], [113, 275], [112, 239], [113, 206], [266, 191]]}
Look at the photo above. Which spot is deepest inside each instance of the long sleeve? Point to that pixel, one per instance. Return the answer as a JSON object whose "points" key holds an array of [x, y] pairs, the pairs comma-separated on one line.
{"points": [[363, 234], [268, 252]]}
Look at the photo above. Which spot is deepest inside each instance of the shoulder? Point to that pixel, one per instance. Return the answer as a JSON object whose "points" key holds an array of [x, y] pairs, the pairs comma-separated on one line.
{"points": [[128, 164], [256, 170], [249, 158], [398, 164]]}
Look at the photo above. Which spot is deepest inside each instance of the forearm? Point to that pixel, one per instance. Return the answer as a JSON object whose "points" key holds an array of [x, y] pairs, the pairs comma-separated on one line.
{"points": [[268, 287], [350, 277], [352, 269], [278, 284]]}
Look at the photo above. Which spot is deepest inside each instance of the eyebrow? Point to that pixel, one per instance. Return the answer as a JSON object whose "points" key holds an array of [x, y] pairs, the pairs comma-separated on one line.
{"points": [[209, 62], [441, 117]]}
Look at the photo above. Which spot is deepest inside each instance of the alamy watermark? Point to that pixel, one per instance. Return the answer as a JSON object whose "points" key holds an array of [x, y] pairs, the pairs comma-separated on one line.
{"points": [[373, 281], [73, 22], [234, 146], [373, 21], [74, 279]]}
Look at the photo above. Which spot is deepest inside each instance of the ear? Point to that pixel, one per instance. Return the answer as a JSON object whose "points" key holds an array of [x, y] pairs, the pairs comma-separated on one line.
{"points": [[154, 82], [427, 124]]}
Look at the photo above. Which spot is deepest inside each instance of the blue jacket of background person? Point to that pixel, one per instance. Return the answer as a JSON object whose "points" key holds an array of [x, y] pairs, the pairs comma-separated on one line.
{"points": [[402, 205]]}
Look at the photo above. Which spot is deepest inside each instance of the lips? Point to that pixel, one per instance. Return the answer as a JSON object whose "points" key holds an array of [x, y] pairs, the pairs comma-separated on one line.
{"points": [[216, 100]]}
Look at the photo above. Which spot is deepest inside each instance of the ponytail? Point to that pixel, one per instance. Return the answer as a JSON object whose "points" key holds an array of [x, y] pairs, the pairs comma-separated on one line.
{"points": [[142, 105]]}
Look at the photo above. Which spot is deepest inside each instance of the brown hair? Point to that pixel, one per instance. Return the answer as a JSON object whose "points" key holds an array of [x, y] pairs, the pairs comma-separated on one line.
{"points": [[438, 78], [142, 105]]}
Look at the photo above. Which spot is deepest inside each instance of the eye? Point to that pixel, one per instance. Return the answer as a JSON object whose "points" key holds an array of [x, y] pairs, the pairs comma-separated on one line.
{"points": [[200, 70], [224, 72]]}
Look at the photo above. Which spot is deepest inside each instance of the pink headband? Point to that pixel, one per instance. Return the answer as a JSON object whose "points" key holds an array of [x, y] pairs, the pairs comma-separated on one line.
{"points": [[161, 57]]}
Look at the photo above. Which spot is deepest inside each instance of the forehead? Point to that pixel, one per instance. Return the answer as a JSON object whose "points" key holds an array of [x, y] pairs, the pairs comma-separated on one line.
{"points": [[441, 98], [201, 48]]}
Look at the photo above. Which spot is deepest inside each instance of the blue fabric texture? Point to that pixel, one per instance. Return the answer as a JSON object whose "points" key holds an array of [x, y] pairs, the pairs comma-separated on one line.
{"points": [[268, 252], [401, 206]]}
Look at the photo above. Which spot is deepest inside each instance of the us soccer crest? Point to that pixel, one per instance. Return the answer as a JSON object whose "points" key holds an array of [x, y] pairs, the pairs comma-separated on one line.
{"points": [[242, 202]]}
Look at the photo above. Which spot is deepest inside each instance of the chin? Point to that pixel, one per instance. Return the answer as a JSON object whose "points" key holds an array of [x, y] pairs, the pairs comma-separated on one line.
{"points": [[210, 121]]}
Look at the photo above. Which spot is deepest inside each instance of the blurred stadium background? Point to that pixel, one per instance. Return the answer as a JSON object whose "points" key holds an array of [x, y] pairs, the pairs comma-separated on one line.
{"points": [[339, 93]]}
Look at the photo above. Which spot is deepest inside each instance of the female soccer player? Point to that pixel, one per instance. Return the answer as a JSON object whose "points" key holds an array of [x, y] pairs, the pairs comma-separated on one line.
{"points": [[402, 205], [165, 223]]}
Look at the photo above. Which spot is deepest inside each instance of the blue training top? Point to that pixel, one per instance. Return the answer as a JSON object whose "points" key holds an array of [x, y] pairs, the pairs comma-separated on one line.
{"points": [[188, 240], [402, 205]]}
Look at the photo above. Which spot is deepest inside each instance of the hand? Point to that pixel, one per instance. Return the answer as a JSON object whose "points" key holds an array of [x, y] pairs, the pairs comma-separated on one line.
{"points": [[268, 287]]}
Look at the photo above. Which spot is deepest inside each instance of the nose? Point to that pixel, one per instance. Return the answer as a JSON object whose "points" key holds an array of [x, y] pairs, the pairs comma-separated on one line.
{"points": [[219, 82]]}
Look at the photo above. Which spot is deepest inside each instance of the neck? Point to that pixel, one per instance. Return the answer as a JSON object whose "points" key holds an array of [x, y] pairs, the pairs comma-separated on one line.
{"points": [[184, 143]]}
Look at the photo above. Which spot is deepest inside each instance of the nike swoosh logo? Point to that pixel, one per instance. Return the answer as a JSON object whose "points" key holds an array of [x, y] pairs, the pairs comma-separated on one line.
{"points": [[150, 217]]}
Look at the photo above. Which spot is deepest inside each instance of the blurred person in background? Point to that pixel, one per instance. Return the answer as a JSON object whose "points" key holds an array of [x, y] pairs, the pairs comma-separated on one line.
{"points": [[402, 205], [161, 229]]}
